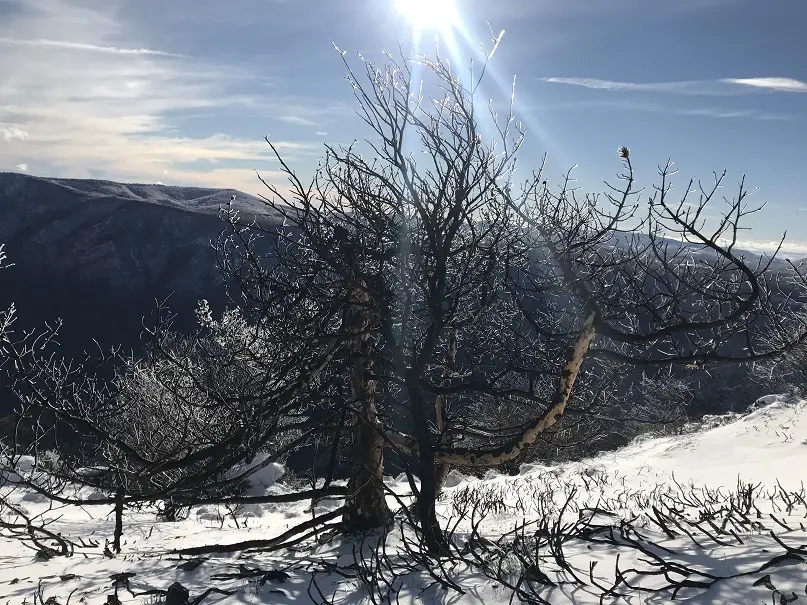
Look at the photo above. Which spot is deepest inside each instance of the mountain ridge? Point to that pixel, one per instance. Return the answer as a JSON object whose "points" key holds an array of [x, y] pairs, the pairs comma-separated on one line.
{"points": [[95, 188], [97, 254], [80, 246], [91, 252]]}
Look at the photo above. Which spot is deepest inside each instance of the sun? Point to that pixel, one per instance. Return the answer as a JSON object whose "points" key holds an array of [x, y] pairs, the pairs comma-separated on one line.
{"points": [[437, 15]]}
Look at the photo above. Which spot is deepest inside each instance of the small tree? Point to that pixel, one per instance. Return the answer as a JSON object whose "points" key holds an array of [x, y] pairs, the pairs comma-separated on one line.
{"points": [[15, 521], [182, 425], [465, 291], [187, 393]]}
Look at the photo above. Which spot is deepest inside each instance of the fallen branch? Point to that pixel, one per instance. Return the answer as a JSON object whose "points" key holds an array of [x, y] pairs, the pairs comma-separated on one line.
{"points": [[272, 542]]}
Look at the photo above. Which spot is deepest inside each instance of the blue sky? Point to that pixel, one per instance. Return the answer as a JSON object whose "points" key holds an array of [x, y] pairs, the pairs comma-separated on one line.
{"points": [[183, 91]]}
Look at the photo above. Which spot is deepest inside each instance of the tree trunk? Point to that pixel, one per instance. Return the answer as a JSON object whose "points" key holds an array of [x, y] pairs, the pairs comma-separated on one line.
{"points": [[116, 538], [366, 504], [433, 537], [442, 468]]}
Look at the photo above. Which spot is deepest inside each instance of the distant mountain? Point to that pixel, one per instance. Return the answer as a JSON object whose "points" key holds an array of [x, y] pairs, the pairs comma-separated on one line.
{"points": [[97, 254], [697, 251]]}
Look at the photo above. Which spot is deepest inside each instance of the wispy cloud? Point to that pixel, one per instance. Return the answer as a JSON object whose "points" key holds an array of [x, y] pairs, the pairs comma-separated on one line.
{"points": [[693, 87], [297, 120], [723, 113], [22, 167], [719, 87], [65, 45], [668, 109], [778, 84], [11, 132], [114, 112]]}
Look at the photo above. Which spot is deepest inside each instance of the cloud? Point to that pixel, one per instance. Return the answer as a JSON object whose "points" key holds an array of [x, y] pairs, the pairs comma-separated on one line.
{"points": [[118, 111], [62, 44], [22, 167], [778, 84], [668, 109], [720, 87], [320, 133], [10, 132], [793, 249], [717, 112], [683, 87], [297, 121]]}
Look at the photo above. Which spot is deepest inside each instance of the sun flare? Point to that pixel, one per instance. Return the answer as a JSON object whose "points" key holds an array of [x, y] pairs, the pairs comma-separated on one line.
{"points": [[437, 15]]}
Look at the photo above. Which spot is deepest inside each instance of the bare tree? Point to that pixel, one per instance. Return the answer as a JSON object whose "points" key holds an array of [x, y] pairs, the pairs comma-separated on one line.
{"points": [[181, 426], [465, 291], [188, 392], [319, 262], [428, 304], [15, 463]]}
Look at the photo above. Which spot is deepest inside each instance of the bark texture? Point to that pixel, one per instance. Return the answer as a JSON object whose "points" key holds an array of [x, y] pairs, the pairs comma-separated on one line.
{"points": [[442, 468], [366, 505]]}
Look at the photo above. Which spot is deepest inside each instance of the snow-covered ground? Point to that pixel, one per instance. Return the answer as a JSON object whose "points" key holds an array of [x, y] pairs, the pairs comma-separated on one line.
{"points": [[716, 515]]}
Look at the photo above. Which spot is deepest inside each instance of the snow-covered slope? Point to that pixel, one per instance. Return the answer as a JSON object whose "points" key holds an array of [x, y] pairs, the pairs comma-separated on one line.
{"points": [[767, 445], [661, 511]]}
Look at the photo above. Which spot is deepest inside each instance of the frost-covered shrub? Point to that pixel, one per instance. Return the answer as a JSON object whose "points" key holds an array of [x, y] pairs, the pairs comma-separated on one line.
{"points": [[194, 394]]}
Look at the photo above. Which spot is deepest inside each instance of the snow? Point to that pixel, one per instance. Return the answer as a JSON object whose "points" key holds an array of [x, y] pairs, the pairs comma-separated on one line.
{"points": [[764, 446], [260, 474], [712, 463]]}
